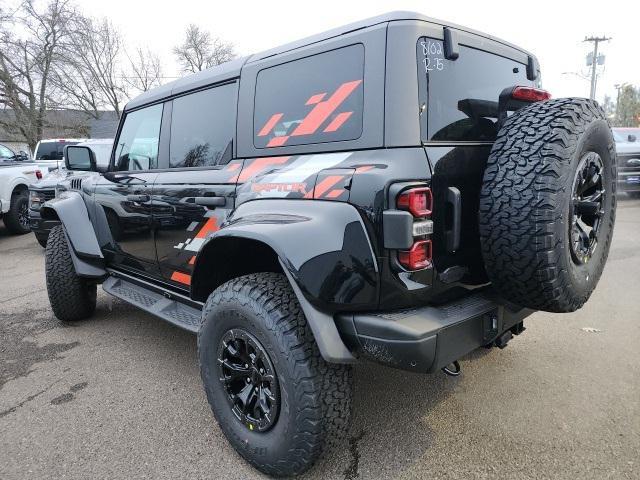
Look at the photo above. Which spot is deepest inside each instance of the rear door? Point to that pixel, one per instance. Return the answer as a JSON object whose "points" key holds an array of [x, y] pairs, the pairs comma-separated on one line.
{"points": [[195, 194], [124, 194]]}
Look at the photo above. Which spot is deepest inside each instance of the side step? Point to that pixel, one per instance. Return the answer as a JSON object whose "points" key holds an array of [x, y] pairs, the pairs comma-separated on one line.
{"points": [[168, 309]]}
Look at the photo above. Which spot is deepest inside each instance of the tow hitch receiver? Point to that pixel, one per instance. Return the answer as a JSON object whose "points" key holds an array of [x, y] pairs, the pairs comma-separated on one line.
{"points": [[503, 339], [506, 336]]}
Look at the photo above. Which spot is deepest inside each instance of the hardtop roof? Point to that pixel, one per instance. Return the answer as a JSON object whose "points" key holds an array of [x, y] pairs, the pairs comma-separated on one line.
{"points": [[231, 70]]}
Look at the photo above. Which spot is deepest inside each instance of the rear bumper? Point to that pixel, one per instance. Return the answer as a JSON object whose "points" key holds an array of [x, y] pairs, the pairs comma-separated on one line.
{"points": [[429, 338]]}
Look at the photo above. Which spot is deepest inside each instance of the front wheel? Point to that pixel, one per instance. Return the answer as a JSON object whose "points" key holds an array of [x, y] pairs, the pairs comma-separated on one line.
{"points": [[275, 398], [42, 238], [71, 297], [17, 218]]}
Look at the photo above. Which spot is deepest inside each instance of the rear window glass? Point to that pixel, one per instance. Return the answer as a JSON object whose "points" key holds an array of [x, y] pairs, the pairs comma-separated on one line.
{"points": [[52, 150], [462, 95], [312, 100]]}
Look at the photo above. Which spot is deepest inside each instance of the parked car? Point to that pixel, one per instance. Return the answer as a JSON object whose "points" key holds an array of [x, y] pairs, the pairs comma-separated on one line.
{"points": [[397, 189], [15, 176], [50, 152], [60, 180], [8, 155], [628, 150]]}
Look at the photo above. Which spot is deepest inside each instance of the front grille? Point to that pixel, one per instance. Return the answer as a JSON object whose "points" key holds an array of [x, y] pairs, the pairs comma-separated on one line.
{"points": [[47, 194]]}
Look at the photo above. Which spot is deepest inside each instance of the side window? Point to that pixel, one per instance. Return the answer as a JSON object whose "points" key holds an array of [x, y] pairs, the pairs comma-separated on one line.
{"points": [[202, 127], [312, 100], [137, 146]]}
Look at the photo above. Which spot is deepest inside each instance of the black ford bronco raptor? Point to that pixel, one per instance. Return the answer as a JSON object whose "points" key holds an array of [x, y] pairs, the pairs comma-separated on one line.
{"points": [[399, 189]]}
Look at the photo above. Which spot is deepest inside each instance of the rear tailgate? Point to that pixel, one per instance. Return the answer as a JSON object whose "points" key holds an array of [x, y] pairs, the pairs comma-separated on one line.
{"points": [[459, 101]]}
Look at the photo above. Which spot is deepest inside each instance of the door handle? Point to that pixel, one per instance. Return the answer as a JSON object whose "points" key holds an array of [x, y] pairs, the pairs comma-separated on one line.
{"points": [[452, 233], [138, 198], [210, 201]]}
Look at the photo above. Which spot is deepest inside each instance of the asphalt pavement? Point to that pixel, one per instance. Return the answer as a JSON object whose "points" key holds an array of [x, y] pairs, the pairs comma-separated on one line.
{"points": [[119, 396]]}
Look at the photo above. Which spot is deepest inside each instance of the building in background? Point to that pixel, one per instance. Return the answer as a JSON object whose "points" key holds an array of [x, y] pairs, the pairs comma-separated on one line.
{"points": [[61, 124]]}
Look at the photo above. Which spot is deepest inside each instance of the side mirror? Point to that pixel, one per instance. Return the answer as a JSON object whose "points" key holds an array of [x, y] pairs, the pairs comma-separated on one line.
{"points": [[79, 158], [22, 155], [631, 137]]}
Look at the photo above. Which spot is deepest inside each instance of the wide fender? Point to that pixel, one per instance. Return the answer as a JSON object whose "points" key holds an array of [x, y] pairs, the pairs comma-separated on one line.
{"points": [[323, 245], [324, 251], [69, 208]]}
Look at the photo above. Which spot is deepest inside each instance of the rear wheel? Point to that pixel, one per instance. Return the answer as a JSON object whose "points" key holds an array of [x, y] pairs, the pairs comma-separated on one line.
{"points": [[547, 205], [17, 218], [71, 297], [277, 401]]}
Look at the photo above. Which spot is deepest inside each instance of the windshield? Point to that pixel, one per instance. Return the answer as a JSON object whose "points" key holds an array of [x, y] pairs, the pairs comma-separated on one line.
{"points": [[622, 134], [51, 150]]}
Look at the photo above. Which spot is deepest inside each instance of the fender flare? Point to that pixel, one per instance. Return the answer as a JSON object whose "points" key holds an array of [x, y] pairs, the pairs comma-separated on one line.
{"points": [[324, 251], [69, 208]]}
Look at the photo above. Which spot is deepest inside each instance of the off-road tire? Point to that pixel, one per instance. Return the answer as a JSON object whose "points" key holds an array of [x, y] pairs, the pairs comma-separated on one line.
{"points": [[526, 199], [315, 395], [71, 297], [19, 203], [42, 239]]}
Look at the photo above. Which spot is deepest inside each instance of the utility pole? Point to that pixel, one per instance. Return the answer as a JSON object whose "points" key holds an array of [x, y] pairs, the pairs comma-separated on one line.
{"points": [[594, 61]]}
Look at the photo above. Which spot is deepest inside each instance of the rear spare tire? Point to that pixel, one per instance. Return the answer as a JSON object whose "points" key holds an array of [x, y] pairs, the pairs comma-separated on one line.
{"points": [[547, 204]]}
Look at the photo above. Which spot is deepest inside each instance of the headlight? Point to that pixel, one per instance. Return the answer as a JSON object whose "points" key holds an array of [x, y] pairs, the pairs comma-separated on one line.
{"points": [[35, 200], [38, 197]]}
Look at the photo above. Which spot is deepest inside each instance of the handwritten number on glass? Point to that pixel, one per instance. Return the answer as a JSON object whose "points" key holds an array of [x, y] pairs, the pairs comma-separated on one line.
{"points": [[433, 55]]}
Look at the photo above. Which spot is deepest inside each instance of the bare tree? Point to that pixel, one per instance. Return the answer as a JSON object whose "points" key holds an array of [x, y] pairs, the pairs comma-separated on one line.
{"points": [[200, 50], [145, 70], [90, 78], [27, 63]]}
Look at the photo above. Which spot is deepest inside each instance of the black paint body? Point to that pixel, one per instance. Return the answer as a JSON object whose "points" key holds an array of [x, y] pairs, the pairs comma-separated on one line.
{"points": [[317, 208]]}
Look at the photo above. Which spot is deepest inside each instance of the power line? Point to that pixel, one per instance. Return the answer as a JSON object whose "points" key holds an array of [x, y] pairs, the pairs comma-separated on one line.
{"points": [[594, 61]]}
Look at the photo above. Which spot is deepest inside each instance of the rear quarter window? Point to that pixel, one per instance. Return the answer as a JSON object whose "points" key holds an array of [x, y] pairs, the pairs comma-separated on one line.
{"points": [[315, 99], [461, 96]]}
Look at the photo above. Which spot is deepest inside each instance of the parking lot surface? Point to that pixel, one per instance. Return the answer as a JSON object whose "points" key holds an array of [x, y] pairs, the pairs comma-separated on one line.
{"points": [[119, 396]]}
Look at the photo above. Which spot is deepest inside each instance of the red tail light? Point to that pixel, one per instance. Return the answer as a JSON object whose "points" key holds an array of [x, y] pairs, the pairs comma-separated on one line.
{"points": [[418, 201], [38, 174], [530, 94], [418, 257]]}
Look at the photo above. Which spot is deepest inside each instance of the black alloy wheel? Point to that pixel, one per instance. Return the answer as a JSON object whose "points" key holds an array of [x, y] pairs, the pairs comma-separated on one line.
{"points": [[586, 208], [23, 215], [249, 380]]}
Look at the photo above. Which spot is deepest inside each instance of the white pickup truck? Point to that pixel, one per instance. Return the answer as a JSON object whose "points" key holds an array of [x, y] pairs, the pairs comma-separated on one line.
{"points": [[15, 178]]}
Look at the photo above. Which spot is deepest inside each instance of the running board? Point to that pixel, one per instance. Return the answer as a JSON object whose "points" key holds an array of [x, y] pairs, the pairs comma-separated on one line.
{"points": [[165, 307]]}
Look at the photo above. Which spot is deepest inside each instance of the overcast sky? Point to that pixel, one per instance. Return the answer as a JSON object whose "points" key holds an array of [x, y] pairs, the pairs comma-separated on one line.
{"points": [[553, 30]]}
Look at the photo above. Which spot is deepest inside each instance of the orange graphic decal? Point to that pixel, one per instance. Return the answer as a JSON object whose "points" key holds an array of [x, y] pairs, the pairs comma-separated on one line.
{"points": [[209, 226], [270, 124], [325, 185], [323, 109], [181, 278], [337, 122]]}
